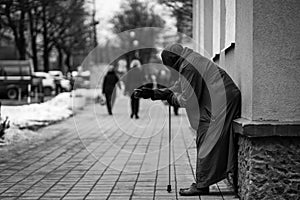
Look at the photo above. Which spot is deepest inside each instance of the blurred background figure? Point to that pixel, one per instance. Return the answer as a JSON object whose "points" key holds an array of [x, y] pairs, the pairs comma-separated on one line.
{"points": [[109, 83], [150, 82], [134, 79], [162, 79], [153, 81]]}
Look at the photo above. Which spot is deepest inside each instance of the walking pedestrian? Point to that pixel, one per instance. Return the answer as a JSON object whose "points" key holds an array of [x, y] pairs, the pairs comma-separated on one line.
{"points": [[212, 101], [108, 88], [134, 79]]}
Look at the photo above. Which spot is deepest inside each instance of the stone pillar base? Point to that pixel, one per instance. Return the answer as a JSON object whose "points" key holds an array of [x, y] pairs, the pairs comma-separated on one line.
{"points": [[268, 165]]}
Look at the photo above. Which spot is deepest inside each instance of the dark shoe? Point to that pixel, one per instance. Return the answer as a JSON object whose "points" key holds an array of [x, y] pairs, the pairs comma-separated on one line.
{"points": [[193, 191], [131, 116], [137, 117]]}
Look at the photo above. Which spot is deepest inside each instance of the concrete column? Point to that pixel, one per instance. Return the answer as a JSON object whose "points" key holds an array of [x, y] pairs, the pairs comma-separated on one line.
{"points": [[267, 51], [267, 48], [230, 22], [208, 27], [244, 53], [216, 26], [222, 32], [198, 24], [222, 24]]}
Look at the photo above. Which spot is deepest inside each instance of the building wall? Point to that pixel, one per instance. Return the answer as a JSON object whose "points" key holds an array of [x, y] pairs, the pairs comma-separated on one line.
{"points": [[276, 63], [264, 62], [208, 27], [226, 28], [243, 53], [229, 65], [229, 22], [216, 26], [203, 27]]}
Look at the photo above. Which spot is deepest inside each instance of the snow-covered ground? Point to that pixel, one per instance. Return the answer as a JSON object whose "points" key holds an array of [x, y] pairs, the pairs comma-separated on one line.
{"points": [[26, 117], [39, 114]]}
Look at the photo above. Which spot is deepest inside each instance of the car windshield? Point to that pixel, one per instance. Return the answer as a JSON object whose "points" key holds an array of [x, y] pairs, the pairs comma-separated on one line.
{"points": [[25, 70], [12, 70]]}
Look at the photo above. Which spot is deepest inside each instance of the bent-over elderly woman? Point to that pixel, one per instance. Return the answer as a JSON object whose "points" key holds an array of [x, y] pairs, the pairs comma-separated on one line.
{"points": [[212, 101]]}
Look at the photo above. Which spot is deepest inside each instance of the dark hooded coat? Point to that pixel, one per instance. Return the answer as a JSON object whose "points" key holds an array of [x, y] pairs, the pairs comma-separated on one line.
{"points": [[109, 82], [212, 101]]}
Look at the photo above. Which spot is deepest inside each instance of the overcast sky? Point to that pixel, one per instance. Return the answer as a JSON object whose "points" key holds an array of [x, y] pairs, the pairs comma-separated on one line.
{"points": [[106, 8]]}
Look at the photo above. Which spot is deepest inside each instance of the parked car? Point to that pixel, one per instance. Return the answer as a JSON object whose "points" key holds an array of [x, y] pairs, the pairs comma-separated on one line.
{"points": [[61, 81], [47, 82], [15, 76], [82, 79], [65, 84]]}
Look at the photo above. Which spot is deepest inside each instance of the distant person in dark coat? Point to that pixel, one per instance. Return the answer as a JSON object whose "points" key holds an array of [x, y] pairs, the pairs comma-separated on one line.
{"points": [[110, 81], [212, 101], [134, 79]]}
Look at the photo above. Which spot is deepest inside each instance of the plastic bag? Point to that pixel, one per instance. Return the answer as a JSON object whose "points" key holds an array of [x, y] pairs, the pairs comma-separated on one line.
{"points": [[101, 99]]}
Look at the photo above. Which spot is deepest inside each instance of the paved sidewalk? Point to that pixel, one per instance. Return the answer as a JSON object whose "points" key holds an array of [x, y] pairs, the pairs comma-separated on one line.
{"points": [[96, 156]]}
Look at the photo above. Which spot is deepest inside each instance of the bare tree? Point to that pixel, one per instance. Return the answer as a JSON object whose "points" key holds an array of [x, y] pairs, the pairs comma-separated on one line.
{"points": [[72, 33], [34, 14], [182, 10], [137, 14], [12, 15], [62, 24]]}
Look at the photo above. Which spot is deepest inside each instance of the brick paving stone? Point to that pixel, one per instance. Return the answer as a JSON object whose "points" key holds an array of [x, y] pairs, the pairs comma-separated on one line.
{"points": [[96, 156]]}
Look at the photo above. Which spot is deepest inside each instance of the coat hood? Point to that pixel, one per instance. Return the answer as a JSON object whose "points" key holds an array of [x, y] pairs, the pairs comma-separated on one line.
{"points": [[174, 54]]}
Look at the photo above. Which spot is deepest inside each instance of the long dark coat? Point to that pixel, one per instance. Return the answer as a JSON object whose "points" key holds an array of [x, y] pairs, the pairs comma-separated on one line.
{"points": [[109, 82], [212, 101]]}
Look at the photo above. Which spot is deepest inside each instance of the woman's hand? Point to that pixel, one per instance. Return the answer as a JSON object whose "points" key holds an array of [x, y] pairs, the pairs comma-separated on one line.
{"points": [[144, 93]]}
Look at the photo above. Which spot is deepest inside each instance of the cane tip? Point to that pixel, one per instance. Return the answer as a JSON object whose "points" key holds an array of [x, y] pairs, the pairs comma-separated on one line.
{"points": [[169, 189]]}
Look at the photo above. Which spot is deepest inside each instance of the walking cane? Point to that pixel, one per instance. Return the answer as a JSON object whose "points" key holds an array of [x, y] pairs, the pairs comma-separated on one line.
{"points": [[169, 189]]}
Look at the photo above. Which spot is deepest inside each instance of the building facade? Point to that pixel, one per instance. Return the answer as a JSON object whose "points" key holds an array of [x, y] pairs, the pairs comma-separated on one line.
{"points": [[257, 43]]}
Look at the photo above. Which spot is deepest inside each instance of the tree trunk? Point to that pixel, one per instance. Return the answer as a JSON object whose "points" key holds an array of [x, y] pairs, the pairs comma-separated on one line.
{"points": [[22, 34], [34, 53], [46, 41], [21, 41], [68, 61], [15, 28], [33, 41], [60, 57]]}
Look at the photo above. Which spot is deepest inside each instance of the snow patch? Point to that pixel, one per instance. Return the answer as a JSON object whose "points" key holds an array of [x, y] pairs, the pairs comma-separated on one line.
{"points": [[15, 135], [36, 115]]}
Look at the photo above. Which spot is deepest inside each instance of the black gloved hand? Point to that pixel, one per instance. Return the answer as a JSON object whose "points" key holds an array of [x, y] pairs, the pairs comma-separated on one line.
{"points": [[162, 94], [145, 93], [169, 99]]}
